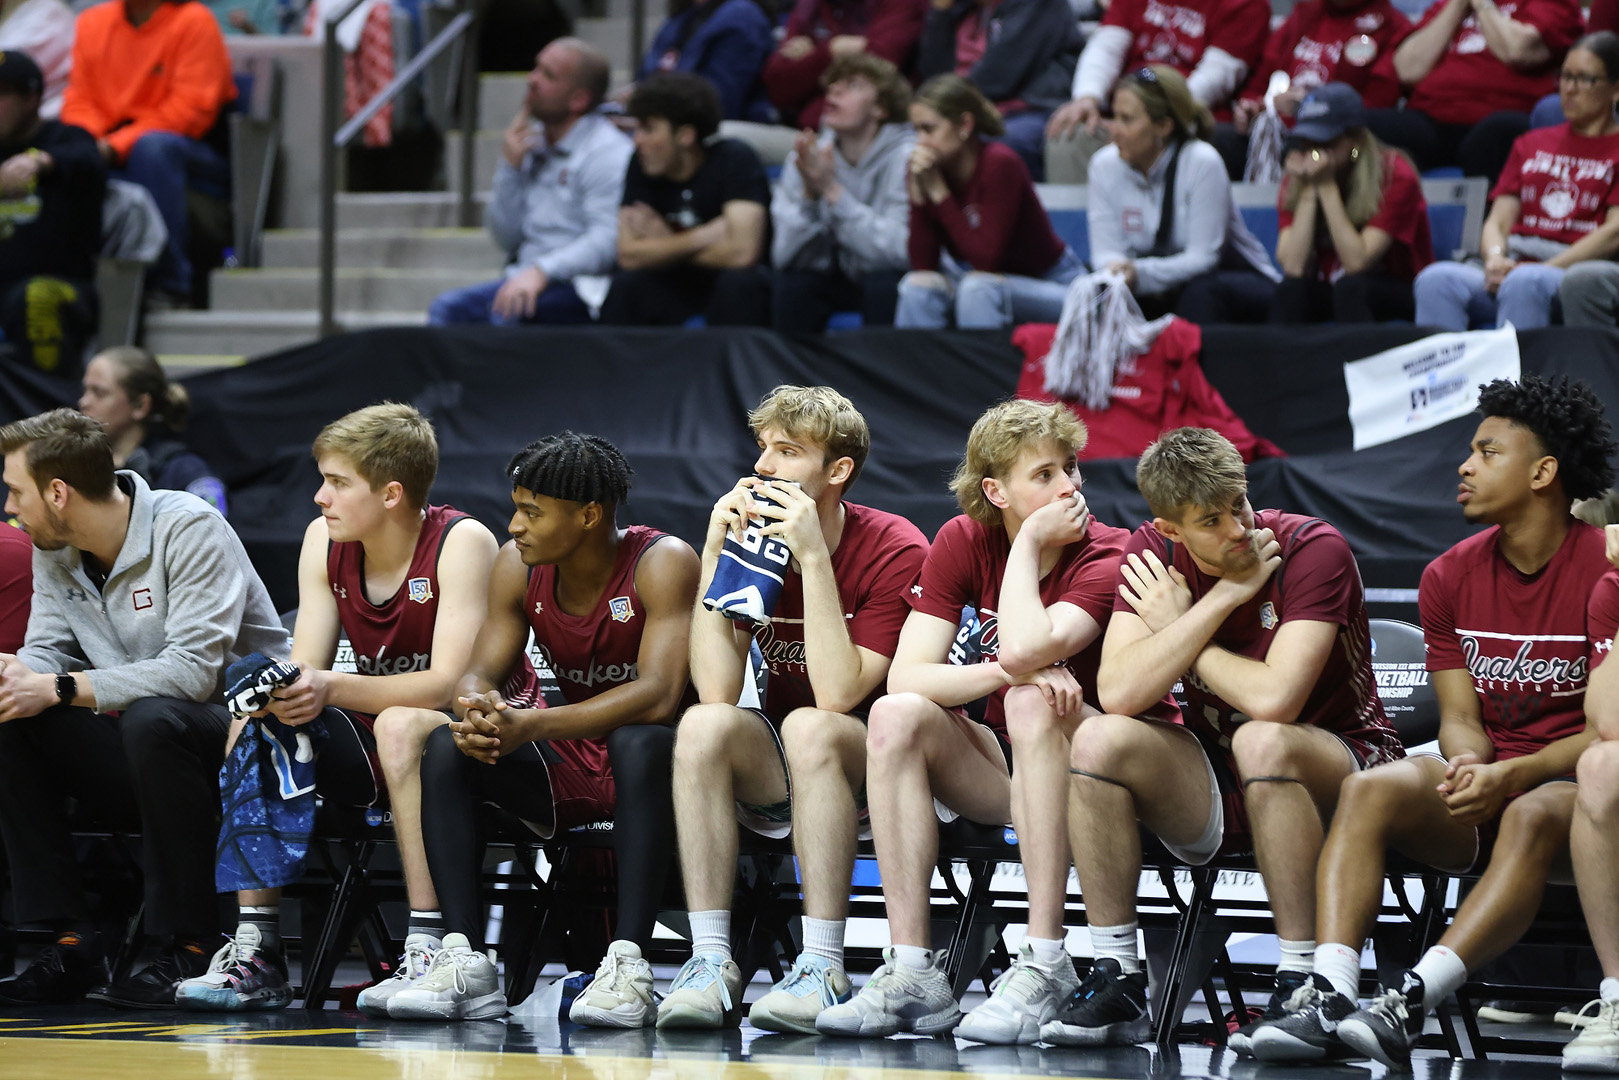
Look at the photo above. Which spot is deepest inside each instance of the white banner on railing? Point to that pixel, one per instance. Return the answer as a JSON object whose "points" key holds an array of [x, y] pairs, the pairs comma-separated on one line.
{"points": [[1421, 385]]}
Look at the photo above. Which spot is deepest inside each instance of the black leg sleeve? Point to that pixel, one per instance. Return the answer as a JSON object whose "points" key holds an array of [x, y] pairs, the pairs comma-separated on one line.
{"points": [[450, 832], [643, 823]]}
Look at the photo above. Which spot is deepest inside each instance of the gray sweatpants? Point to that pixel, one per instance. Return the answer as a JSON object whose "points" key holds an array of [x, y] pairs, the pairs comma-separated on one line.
{"points": [[1590, 292]]}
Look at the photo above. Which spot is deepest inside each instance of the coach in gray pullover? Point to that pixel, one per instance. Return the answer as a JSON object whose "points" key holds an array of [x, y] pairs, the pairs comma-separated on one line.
{"points": [[141, 599]]}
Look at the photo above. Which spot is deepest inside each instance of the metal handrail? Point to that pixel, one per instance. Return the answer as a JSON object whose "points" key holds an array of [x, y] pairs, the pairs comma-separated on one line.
{"points": [[335, 138]]}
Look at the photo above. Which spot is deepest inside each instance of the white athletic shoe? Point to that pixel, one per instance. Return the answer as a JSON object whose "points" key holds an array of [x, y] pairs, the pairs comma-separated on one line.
{"points": [[793, 1004], [1596, 1048], [1026, 996], [896, 998], [460, 984], [621, 995], [707, 993], [419, 952], [245, 974]]}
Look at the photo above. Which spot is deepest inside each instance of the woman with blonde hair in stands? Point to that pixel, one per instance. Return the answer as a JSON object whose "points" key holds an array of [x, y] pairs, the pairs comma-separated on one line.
{"points": [[1354, 224], [1161, 213], [126, 389], [983, 252]]}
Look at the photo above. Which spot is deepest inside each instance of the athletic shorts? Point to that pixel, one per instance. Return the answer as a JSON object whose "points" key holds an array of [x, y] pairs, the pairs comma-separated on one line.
{"points": [[1490, 830], [1228, 832], [578, 796], [947, 815], [776, 819], [348, 770]]}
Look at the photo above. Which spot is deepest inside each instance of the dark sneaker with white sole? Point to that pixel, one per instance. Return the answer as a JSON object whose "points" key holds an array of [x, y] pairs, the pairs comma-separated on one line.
{"points": [[1308, 1028], [1241, 1040], [1108, 1009], [1387, 1028], [154, 986], [59, 974]]}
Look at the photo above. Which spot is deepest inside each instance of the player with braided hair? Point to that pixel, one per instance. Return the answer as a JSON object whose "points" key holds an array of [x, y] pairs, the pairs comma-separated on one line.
{"points": [[1512, 629], [610, 610]]}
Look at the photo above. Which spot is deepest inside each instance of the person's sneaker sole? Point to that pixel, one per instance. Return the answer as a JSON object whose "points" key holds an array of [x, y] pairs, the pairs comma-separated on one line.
{"points": [[630, 1014], [1591, 1063], [880, 1027], [1360, 1038], [1124, 1033], [764, 1018], [1271, 1045], [107, 998], [225, 999], [998, 1031], [681, 1016], [487, 1007]]}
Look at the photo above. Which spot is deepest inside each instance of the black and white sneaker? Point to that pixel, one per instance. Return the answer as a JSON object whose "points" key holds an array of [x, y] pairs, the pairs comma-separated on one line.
{"points": [[1386, 1029], [1108, 1009], [1241, 1040], [1307, 1030]]}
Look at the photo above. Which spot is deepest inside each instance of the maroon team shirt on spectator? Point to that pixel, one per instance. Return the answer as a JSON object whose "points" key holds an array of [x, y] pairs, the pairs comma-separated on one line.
{"points": [[1523, 637], [1318, 581], [877, 558], [1469, 83], [1564, 181], [1602, 617], [1176, 34], [16, 586], [1319, 44], [965, 567], [995, 224], [1403, 214]]}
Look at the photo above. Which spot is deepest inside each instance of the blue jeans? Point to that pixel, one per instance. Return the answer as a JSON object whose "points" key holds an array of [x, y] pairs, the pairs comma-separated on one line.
{"points": [[1026, 133], [928, 299], [557, 305], [167, 164], [1452, 296]]}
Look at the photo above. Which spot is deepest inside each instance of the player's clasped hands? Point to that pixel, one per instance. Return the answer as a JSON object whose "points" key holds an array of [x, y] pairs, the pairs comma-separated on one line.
{"points": [[478, 732], [1158, 593], [1473, 790]]}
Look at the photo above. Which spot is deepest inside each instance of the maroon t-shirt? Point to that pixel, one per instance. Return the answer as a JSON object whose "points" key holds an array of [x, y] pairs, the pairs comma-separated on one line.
{"points": [[1564, 181], [1602, 617], [1469, 83], [876, 561], [965, 567], [1524, 638], [1318, 581], [1177, 33], [1403, 214], [1319, 44], [16, 586], [994, 224]]}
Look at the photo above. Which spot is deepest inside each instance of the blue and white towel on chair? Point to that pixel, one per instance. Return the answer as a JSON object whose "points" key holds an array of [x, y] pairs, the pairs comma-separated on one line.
{"points": [[748, 580]]}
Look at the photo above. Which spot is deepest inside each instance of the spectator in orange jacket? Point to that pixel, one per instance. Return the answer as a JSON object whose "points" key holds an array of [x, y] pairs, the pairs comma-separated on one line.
{"points": [[149, 80]]}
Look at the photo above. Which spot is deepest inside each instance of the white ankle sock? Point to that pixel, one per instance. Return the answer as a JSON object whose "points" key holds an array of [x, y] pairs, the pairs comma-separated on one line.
{"points": [[1047, 951], [1340, 966], [824, 938], [1296, 956], [711, 933], [914, 956], [1609, 990], [1442, 973], [1117, 943]]}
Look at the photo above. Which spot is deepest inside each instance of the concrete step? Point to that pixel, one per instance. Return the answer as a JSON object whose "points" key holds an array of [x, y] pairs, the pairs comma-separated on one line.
{"points": [[193, 340], [487, 150], [400, 248], [372, 290], [500, 95], [405, 209], [612, 34]]}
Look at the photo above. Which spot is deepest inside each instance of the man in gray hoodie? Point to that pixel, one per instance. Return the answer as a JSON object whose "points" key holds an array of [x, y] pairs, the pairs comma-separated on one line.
{"points": [[840, 210], [142, 599]]}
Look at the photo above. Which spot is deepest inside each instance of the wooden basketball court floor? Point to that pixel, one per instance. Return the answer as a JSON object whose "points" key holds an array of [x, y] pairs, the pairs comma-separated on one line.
{"points": [[91, 1043]]}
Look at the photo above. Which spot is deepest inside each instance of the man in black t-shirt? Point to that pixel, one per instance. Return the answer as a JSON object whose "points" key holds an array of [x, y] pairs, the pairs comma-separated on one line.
{"points": [[52, 181], [695, 225]]}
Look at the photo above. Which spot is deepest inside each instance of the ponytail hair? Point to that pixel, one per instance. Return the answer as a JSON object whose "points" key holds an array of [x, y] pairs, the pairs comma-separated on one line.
{"points": [[953, 97], [1164, 95], [139, 374]]}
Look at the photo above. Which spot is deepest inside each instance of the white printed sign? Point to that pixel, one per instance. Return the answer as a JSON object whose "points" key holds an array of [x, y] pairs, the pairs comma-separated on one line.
{"points": [[1424, 384]]}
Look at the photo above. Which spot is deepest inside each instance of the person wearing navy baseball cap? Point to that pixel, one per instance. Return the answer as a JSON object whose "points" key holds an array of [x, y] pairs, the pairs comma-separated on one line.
{"points": [[52, 183], [1353, 222]]}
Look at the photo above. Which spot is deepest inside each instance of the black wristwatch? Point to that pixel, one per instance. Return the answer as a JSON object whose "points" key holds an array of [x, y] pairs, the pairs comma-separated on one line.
{"points": [[66, 689]]}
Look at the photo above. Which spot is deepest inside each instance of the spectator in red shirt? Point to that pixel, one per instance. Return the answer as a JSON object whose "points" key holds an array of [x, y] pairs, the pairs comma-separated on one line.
{"points": [[821, 31], [1354, 224], [1322, 41], [1556, 206], [982, 248], [1215, 44], [1473, 70]]}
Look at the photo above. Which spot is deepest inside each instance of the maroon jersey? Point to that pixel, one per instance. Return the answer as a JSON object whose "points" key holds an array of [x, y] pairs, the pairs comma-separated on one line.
{"points": [[874, 565], [1602, 617], [1318, 581], [1523, 638], [965, 567], [16, 586], [594, 652]]}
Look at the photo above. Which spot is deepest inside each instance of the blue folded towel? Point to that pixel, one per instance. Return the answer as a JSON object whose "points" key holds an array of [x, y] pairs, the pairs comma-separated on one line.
{"points": [[267, 784], [748, 580]]}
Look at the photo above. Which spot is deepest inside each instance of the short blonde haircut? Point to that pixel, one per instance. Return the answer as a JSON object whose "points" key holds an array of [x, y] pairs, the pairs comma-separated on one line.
{"points": [[816, 414], [1190, 468], [999, 438], [385, 443]]}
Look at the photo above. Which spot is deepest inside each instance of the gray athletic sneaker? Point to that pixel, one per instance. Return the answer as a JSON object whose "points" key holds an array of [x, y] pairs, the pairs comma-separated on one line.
{"points": [[461, 984], [896, 998], [621, 994], [793, 1004], [707, 993], [1026, 996], [419, 952]]}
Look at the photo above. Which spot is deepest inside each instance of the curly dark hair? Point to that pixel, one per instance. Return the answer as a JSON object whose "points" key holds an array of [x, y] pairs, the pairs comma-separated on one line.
{"points": [[1567, 418], [571, 466], [681, 98]]}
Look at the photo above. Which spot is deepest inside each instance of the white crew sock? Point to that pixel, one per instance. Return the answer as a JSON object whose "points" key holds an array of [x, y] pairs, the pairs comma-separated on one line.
{"points": [[1117, 943], [1296, 956], [1609, 990], [914, 956], [824, 938], [711, 933], [1340, 966], [1442, 973], [1048, 951]]}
